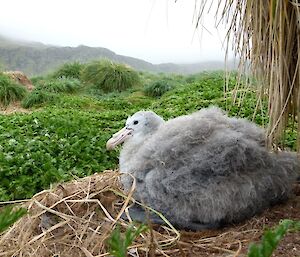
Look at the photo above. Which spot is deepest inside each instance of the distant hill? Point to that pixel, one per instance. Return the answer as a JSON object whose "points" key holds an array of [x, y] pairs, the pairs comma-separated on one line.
{"points": [[35, 58]]}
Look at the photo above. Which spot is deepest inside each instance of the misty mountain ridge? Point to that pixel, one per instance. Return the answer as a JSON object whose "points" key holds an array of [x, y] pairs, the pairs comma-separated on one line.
{"points": [[34, 58]]}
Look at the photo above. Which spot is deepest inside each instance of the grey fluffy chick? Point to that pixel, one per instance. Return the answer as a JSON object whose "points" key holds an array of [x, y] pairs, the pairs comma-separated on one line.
{"points": [[202, 170]]}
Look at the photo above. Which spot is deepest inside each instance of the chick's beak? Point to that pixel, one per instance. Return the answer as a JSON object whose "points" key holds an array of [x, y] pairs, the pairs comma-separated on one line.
{"points": [[118, 138]]}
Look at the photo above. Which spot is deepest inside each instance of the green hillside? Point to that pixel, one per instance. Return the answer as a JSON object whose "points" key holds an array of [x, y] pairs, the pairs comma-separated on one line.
{"points": [[35, 58], [36, 61]]}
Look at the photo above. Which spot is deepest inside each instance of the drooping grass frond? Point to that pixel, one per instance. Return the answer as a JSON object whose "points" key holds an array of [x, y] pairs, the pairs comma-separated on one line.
{"points": [[264, 35]]}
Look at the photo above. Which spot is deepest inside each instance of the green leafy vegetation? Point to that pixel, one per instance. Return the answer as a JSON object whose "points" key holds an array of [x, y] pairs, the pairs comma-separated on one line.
{"points": [[119, 244], [271, 238], [66, 139], [53, 145], [10, 91], [47, 91], [8, 216], [109, 76]]}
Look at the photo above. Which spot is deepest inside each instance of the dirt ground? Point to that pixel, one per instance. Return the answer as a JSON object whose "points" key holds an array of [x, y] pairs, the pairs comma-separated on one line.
{"points": [[234, 241], [13, 108]]}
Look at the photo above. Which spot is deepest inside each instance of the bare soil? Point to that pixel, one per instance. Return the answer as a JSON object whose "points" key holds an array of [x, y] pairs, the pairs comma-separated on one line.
{"points": [[13, 108]]}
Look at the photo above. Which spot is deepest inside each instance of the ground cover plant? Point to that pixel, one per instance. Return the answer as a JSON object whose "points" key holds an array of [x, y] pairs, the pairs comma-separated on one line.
{"points": [[61, 142], [50, 146], [8, 216], [47, 90], [118, 244], [209, 90], [271, 238], [67, 138]]}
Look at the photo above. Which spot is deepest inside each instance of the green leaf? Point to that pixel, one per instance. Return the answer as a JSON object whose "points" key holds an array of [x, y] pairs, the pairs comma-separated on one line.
{"points": [[119, 244], [8, 216], [271, 239]]}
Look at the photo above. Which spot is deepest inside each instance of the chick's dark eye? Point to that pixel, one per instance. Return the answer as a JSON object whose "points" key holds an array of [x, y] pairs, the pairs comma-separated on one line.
{"points": [[135, 122]]}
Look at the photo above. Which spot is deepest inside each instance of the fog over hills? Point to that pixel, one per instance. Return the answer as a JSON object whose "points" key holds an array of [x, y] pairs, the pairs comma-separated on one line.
{"points": [[34, 58]]}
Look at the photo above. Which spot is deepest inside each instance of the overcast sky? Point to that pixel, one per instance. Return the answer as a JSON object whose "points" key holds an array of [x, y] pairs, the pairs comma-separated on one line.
{"points": [[154, 30]]}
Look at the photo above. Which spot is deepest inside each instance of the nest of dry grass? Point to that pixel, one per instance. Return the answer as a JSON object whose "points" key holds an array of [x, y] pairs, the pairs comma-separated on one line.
{"points": [[76, 218]]}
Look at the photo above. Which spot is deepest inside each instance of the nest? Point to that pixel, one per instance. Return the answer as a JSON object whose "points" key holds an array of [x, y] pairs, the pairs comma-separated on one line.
{"points": [[76, 219]]}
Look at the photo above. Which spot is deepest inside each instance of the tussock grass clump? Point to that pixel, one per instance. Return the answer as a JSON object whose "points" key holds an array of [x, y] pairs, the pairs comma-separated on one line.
{"points": [[37, 79], [37, 98], [60, 85], [10, 91], [158, 87], [69, 70], [109, 76]]}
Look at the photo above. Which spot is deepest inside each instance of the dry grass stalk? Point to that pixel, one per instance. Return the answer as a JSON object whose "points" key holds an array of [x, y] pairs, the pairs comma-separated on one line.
{"points": [[265, 36]]}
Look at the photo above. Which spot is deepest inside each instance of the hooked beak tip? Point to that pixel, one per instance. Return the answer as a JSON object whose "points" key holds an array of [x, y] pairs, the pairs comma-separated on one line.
{"points": [[109, 146], [118, 138]]}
